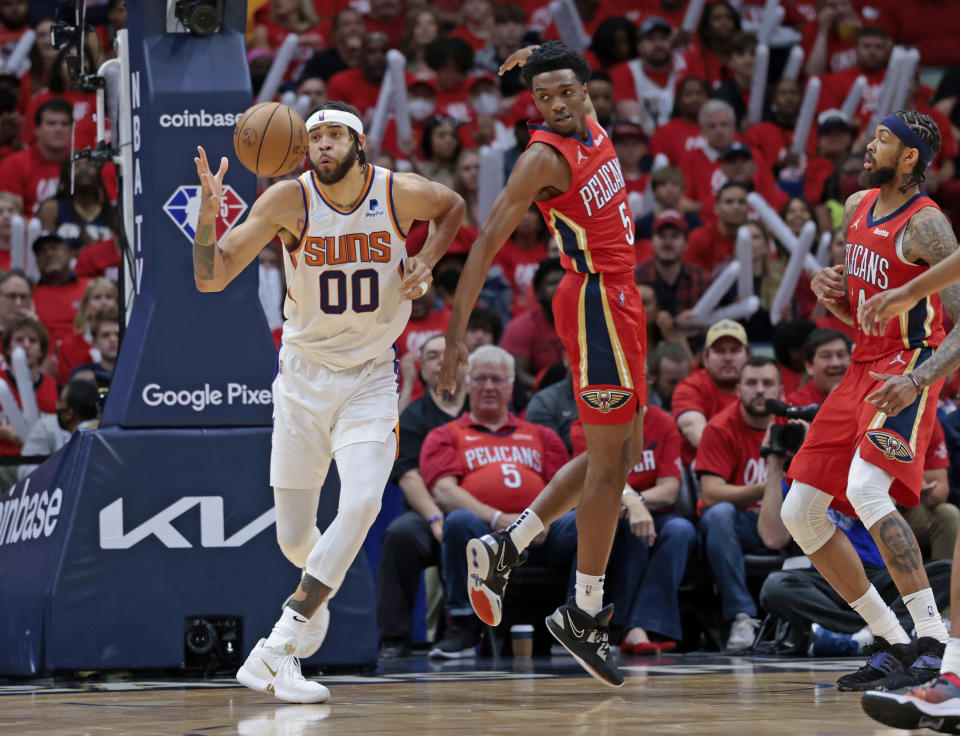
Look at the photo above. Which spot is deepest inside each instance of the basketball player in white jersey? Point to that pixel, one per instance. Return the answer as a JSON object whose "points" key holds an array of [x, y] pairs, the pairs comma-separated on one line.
{"points": [[343, 224]]}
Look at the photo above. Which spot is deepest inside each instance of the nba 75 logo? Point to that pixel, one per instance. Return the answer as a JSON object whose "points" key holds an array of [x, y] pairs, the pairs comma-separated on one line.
{"points": [[184, 208]]}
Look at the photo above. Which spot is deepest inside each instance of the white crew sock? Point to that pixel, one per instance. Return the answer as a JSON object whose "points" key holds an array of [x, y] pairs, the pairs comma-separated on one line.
{"points": [[926, 617], [881, 620], [951, 657], [864, 637], [589, 591], [524, 529], [287, 630]]}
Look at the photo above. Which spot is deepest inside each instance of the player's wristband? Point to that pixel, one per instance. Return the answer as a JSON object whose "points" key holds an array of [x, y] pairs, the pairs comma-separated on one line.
{"points": [[916, 383], [435, 517]]}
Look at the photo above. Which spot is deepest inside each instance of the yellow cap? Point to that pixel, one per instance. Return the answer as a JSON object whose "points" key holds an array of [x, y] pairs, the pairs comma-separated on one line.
{"points": [[726, 328]]}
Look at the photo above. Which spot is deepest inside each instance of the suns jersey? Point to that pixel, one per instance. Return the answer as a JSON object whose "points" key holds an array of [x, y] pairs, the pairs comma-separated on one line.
{"points": [[591, 221], [875, 263], [343, 304]]}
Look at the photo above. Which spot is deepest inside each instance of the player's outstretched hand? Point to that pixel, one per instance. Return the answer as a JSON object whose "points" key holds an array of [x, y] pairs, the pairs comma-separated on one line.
{"points": [[896, 394], [828, 285], [211, 185], [417, 278], [517, 58], [879, 309], [454, 354]]}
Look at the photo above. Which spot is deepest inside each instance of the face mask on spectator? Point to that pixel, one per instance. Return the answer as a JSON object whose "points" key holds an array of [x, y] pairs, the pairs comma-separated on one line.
{"points": [[485, 103], [420, 109]]}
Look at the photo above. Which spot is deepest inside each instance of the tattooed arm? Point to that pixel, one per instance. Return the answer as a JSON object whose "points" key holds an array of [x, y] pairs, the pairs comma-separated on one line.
{"points": [[830, 285]]}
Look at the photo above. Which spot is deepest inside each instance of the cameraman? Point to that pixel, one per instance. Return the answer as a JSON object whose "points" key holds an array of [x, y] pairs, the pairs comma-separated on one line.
{"points": [[805, 599], [731, 475]]}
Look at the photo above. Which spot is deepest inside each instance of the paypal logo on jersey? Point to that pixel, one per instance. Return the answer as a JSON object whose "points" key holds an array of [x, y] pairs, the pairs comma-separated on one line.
{"points": [[374, 209]]}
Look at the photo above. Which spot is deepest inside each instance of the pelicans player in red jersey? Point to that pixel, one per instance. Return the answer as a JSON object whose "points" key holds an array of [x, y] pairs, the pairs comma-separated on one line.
{"points": [[862, 458], [570, 169]]}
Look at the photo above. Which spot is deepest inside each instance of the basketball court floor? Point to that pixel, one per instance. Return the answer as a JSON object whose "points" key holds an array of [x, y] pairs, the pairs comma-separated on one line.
{"points": [[683, 694]]}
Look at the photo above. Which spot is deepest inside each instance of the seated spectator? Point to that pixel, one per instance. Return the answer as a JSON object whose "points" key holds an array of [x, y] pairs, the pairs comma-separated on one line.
{"points": [[386, 17], [735, 89], [630, 143], [835, 135], [829, 41], [75, 349], [60, 86], [293, 16], [483, 470], [466, 179], [440, 147], [772, 138], [451, 59], [600, 89], [739, 164], [85, 216], [360, 87], [16, 298], [105, 328], [714, 243], [651, 545], [422, 26], [732, 475], [344, 50], [873, 51], [796, 213], [34, 173], [532, 337], [683, 132], [644, 87], [667, 185], [484, 327], [521, 256], [41, 61], [826, 355], [412, 540], [709, 56], [613, 43], [59, 290], [116, 20], [661, 326], [428, 317], [803, 598], [77, 408], [10, 206], [555, 406], [787, 341], [314, 89], [666, 367], [14, 22], [704, 394], [477, 27], [935, 521], [718, 128], [509, 28]]}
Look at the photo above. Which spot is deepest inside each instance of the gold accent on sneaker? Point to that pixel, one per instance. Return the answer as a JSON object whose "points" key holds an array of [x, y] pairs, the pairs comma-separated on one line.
{"points": [[272, 671]]}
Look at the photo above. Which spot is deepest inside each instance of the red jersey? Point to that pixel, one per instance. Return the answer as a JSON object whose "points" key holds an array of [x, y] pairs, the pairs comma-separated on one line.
{"points": [[675, 138], [592, 220], [875, 264], [730, 448], [505, 469], [697, 392], [57, 307], [47, 397]]}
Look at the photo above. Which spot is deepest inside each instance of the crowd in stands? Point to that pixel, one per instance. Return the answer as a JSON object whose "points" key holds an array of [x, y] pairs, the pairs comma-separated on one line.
{"points": [[703, 504]]}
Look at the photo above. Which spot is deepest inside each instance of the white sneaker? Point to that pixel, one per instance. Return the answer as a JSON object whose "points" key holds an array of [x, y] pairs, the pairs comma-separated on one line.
{"points": [[742, 632], [313, 633], [277, 671]]}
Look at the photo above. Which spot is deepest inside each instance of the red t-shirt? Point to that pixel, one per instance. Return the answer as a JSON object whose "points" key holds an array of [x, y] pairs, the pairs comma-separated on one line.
{"points": [[519, 265], [703, 63], [392, 27], [418, 332], [697, 392], [531, 336], [57, 307], [835, 87], [937, 456], [84, 109], [805, 395], [730, 448], [707, 247], [101, 258], [505, 469], [350, 86], [675, 138], [831, 322], [789, 379], [476, 43], [541, 19], [30, 176], [47, 397], [930, 26], [454, 102], [818, 170], [73, 350]]}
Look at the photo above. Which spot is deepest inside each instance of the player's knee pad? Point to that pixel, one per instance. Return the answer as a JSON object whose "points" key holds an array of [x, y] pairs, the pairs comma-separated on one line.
{"points": [[868, 491], [804, 514]]}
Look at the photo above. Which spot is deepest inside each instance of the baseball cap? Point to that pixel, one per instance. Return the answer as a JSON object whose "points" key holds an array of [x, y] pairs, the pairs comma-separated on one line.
{"points": [[726, 328], [47, 237], [425, 81], [832, 119], [671, 218], [627, 128], [654, 23], [734, 148], [475, 79]]}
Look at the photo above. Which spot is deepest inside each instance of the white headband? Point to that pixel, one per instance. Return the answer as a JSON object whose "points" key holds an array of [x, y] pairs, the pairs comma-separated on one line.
{"points": [[335, 116]]}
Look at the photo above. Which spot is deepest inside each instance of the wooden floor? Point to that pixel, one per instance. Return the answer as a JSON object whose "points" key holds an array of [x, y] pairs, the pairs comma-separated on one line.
{"points": [[682, 695]]}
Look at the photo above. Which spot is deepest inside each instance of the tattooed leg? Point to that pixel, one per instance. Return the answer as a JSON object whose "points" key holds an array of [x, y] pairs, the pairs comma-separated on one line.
{"points": [[898, 545], [309, 596]]}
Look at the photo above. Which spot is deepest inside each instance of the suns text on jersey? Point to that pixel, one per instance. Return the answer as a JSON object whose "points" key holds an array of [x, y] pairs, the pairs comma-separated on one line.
{"points": [[479, 456], [336, 251], [866, 265], [602, 186]]}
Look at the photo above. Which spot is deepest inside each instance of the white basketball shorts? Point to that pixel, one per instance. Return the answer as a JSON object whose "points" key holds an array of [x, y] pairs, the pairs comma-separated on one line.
{"points": [[317, 411]]}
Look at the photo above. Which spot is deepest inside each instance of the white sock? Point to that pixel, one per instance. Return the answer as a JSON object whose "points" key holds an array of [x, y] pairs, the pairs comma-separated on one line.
{"points": [[926, 617], [589, 589], [951, 657], [881, 620], [864, 637], [524, 529], [287, 629]]}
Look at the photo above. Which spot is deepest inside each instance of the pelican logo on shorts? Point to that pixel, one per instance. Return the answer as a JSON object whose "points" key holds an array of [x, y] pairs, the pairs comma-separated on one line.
{"points": [[893, 447], [605, 400]]}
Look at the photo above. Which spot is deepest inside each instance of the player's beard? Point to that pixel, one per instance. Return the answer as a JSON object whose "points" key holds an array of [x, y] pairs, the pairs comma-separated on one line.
{"points": [[877, 176], [343, 166]]}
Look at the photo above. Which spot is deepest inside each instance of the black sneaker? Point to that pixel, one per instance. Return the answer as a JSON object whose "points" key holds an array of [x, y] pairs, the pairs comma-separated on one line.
{"points": [[459, 640], [927, 658], [586, 637], [394, 649], [489, 561], [885, 659]]}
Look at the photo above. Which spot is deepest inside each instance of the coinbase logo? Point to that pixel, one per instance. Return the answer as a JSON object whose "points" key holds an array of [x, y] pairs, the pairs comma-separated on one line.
{"points": [[202, 119]]}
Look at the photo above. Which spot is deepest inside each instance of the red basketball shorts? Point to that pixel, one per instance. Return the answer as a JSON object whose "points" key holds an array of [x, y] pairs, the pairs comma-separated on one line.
{"points": [[600, 319], [847, 422]]}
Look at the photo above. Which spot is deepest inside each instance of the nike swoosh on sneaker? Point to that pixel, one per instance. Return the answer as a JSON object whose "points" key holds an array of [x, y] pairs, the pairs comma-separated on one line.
{"points": [[272, 671], [500, 566], [298, 619], [576, 632]]}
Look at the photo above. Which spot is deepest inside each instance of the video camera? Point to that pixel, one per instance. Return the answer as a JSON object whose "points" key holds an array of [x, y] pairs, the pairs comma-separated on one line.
{"points": [[787, 438]]}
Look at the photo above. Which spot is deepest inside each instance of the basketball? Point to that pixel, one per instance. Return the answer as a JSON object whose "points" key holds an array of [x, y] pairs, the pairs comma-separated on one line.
{"points": [[270, 139]]}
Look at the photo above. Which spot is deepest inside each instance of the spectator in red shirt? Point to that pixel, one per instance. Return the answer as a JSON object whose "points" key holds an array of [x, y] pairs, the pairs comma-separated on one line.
{"points": [[732, 476], [14, 21], [739, 164], [33, 174], [735, 89], [667, 185], [360, 87], [835, 135], [521, 255], [483, 469], [105, 328], [60, 86], [441, 147], [16, 298], [613, 43], [707, 58], [652, 543], [630, 142], [644, 87], [713, 243], [829, 41], [532, 338], [477, 28], [10, 206], [600, 89], [705, 393], [344, 51], [666, 367], [510, 26], [422, 27], [292, 16], [772, 138], [60, 290], [386, 17], [682, 133], [701, 165], [451, 59], [930, 26], [873, 55], [75, 349], [826, 357]]}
